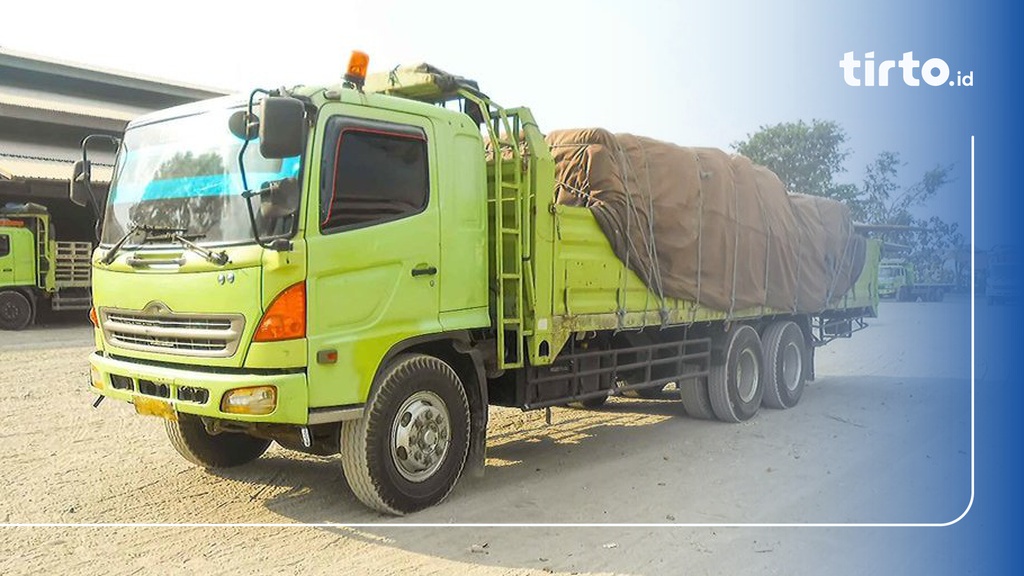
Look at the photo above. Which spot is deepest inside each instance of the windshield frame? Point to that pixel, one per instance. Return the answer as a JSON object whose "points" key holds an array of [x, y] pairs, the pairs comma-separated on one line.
{"points": [[297, 222]]}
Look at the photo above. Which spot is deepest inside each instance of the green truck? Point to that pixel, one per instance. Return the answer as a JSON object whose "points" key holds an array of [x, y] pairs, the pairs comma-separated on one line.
{"points": [[898, 279], [373, 276], [36, 269]]}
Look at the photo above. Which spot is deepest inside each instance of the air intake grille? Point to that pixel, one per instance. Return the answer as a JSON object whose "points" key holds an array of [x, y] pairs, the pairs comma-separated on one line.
{"points": [[165, 332]]}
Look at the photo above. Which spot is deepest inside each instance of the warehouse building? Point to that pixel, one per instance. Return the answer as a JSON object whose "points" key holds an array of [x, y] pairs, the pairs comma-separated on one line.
{"points": [[48, 106]]}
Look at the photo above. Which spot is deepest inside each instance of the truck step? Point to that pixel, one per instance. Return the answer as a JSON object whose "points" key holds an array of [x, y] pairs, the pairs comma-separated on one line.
{"points": [[72, 303]]}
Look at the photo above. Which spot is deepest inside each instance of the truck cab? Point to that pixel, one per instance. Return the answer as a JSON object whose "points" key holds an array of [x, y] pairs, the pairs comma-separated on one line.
{"points": [[249, 294], [893, 277]]}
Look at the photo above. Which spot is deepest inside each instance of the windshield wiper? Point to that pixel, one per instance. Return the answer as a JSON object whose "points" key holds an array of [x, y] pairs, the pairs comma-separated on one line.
{"points": [[218, 258], [157, 233], [116, 248]]}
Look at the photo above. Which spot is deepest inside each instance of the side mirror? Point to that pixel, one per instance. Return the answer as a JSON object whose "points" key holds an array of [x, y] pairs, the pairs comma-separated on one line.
{"points": [[243, 126], [80, 182], [282, 121], [279, 198]]}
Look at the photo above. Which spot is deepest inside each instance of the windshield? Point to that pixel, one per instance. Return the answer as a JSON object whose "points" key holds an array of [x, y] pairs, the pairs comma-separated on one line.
{"points": [[183, 174], [887, 272]]}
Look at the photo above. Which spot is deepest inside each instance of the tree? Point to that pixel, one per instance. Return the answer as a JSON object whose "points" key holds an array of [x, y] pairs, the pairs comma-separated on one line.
{"points": [[929, 244], [883, 201], [806, 157]]}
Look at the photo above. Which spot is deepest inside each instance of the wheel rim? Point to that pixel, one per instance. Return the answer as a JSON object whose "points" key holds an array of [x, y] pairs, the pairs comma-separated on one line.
{"points": [[420, 436], [792, 366], [10, 312], [747, 375]]}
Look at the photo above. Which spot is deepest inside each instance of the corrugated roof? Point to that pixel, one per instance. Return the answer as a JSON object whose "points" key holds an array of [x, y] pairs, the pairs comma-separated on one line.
{"points": [[10, 106], [51, 169], [65, 68]]}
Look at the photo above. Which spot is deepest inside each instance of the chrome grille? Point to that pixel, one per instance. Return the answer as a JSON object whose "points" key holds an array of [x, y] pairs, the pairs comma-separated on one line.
{"points": [[157, 329], [188, 323]]}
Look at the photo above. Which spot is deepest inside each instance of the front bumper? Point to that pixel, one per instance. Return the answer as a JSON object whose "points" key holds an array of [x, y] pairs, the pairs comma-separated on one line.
{"points": [[194, 391]]}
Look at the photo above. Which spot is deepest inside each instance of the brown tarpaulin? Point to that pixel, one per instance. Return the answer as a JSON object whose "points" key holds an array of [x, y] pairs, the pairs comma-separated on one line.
{"points": [[700, 224]]}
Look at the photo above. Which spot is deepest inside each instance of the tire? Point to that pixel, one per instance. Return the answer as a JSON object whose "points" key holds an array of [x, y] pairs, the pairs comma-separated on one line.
{"points": [[379, 451], [735, 386], [225, 450], [785, 374], [694, 394], [15, 310]]}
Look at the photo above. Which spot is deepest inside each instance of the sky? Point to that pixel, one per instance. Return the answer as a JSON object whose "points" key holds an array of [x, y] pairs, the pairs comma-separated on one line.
{"points": [[700, 74]]}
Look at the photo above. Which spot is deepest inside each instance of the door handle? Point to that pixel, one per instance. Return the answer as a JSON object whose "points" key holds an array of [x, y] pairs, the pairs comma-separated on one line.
{"points": [[424, 271]]}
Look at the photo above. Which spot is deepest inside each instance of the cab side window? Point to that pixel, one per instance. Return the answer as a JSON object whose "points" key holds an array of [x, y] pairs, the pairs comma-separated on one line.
{"points": [[372, 172], [5, 245]]}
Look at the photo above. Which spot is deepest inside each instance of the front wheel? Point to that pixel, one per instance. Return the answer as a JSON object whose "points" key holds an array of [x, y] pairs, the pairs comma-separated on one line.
{"points": [[15, 310], [189, 437], [408, 450]]}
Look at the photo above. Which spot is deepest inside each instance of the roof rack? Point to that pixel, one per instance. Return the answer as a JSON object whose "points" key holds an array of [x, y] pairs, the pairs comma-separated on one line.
{"points": [[421, 82]]}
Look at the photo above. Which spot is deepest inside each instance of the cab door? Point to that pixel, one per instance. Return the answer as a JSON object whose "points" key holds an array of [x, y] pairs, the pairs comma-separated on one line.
{"points": [[372, 237], [6, 260], [17, 257]]}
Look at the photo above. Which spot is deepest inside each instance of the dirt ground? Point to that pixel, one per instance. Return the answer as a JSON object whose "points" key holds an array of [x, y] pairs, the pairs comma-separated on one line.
{"points": [[883, 435]]}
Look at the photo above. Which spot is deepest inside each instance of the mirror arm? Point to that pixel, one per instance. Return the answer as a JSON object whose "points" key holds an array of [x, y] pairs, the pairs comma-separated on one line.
{"points": [[86, 175], [241, 169]]}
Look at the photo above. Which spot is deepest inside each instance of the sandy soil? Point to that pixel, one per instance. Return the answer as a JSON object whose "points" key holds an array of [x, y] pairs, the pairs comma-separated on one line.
{"points": [[883, 435]]}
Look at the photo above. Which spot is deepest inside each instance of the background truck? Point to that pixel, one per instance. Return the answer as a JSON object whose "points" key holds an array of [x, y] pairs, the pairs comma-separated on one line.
{"points": [[365, 270], [38, 270], [898, 279], [1002, 278]]}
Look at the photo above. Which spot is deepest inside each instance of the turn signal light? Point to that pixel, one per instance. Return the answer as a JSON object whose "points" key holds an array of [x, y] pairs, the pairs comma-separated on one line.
{"points": [[92, 317], [285, 319], [252, 400]]}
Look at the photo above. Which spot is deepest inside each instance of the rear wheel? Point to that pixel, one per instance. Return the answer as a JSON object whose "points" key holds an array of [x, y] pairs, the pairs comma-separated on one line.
{"points": [[15, 310], [785, 374], [408, 450], [694, 394], [734, 386], [189, 437]]}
